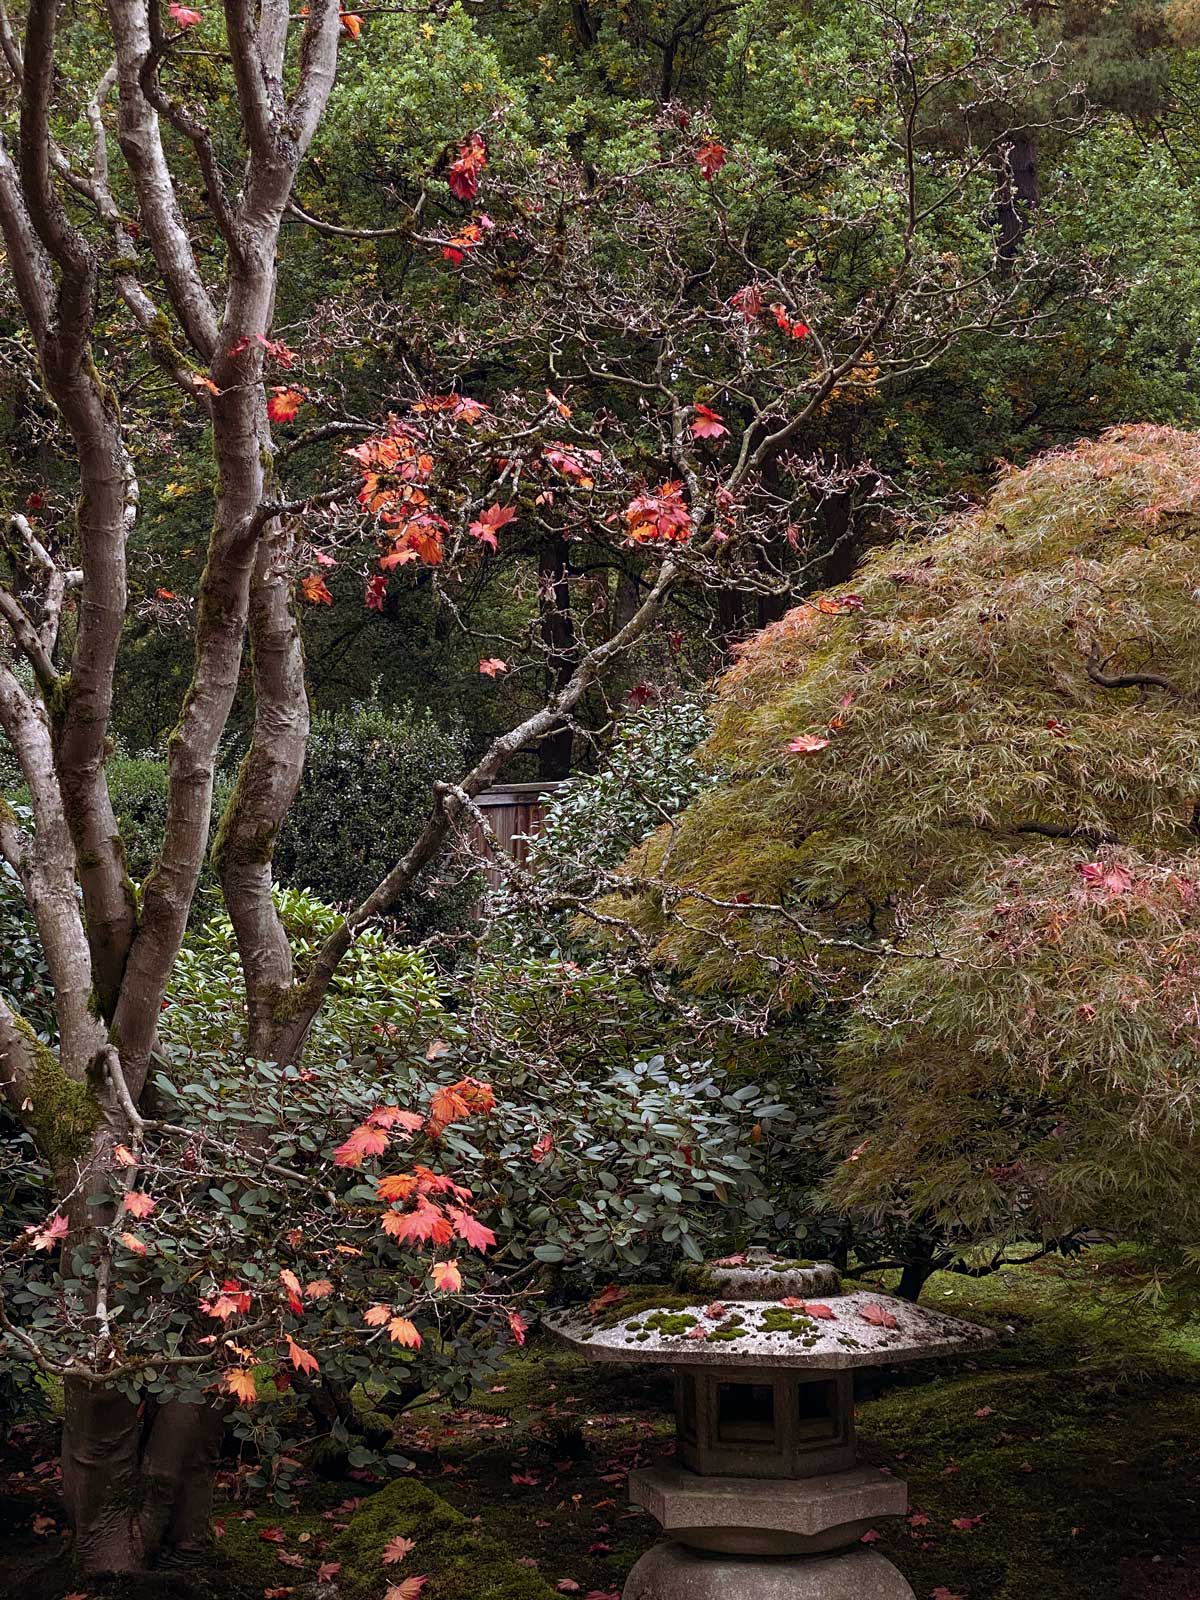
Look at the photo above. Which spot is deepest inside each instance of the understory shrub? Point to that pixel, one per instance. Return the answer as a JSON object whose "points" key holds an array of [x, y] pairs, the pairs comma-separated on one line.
{"points": [[366, 792], [380, 990]]}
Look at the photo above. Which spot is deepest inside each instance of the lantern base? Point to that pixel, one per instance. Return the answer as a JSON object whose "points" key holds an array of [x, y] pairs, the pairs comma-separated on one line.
{"points": [[674, 1572], [766, 1516]]}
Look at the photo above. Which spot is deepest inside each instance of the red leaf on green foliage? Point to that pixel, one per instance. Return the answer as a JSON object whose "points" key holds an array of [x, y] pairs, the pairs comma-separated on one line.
{"points": [[710, 158], [184, 15], [966, 1524], [470, 1229], [490, 666], [302, 1360], [393, 1117], [351, 23], [567, 1586], [525, 1480], [878, 1316], [984, 1411], [446, 1276], [610, 1296], [806, 744], [404, 1333], [396, 1550], [707, 424], [364, 1141], [272, 1535], [542, 1149], [132, 1242], [318, 1289], [239, 1382], [284, 404], [291, 1283], [918, 1519], [48, 1234], [376, 592], [328, 1570], [463, 174], [232, 1300], [517, 1326]]}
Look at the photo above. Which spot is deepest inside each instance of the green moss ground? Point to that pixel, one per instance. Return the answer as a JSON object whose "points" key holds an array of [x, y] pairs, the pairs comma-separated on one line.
{"points": [[1069, 1454]]}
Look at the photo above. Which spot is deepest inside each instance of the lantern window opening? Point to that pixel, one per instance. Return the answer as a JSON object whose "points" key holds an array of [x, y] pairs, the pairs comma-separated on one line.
{"points": [[746, 1413]]}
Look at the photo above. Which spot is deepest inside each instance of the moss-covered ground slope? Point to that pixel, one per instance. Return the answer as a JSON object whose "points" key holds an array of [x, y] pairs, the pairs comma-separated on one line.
{"points": [[1062, 1465]]}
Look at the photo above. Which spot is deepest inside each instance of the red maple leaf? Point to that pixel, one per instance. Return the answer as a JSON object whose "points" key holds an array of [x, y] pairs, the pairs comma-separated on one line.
{"points": [[710, 158], [707, 424], [485, 525], [284, 404]]}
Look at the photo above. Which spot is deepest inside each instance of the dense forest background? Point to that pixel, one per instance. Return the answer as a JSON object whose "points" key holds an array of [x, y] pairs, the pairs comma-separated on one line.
{"points": [[1094, 203]]}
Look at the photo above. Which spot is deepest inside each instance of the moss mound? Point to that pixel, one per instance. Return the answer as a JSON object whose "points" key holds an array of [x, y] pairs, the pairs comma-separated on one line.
{"points": [[461, 1560]]}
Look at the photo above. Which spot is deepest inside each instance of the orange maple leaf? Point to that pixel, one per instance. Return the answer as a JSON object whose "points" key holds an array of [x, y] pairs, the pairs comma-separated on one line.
{"points": [[403, 1332], [446, 1276], [239, 1382], [315, 590], [284, 404], [303, 1360], [138, 1203], [396, 1550]]}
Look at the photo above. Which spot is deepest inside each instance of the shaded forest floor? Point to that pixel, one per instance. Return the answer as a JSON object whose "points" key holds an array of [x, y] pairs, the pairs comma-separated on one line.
{"points": [[1064, 1463]]}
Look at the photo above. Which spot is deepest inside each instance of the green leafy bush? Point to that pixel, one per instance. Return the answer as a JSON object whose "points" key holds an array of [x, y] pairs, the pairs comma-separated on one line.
{"points": [[366, 792], [24, 979], [380, 989], [138, 786], [648, 775]]}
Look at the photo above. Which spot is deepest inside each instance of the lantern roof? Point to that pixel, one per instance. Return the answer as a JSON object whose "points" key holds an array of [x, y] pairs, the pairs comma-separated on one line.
{"points": [[755, 1328]]}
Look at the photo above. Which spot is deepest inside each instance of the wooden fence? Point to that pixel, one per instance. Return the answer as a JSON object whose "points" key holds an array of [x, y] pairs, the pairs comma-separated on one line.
{"points": [[514, 813]]}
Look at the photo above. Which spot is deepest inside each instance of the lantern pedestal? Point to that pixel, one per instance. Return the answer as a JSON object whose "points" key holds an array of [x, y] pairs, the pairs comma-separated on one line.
{"points": [[675, 1572]]}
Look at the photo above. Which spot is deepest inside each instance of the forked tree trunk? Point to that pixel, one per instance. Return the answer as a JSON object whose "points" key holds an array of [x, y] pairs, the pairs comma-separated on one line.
{"points": [[138, 1479]]}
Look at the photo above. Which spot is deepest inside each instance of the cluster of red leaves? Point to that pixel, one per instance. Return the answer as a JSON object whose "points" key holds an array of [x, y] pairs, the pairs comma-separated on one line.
{"points": [[469, 237], [785, 324], [572, 463], [275, 349], [659, 517], [463, 175], [750, 303], [351, 23], [421, 1207], [394, 472]]}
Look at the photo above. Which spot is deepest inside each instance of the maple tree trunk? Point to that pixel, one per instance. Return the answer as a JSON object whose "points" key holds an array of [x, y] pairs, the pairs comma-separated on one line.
{"points": [[137, 1479]]}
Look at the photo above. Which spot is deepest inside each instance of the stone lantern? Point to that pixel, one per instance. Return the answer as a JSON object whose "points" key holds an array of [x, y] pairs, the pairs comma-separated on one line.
{"points": [[764, 1499]]}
